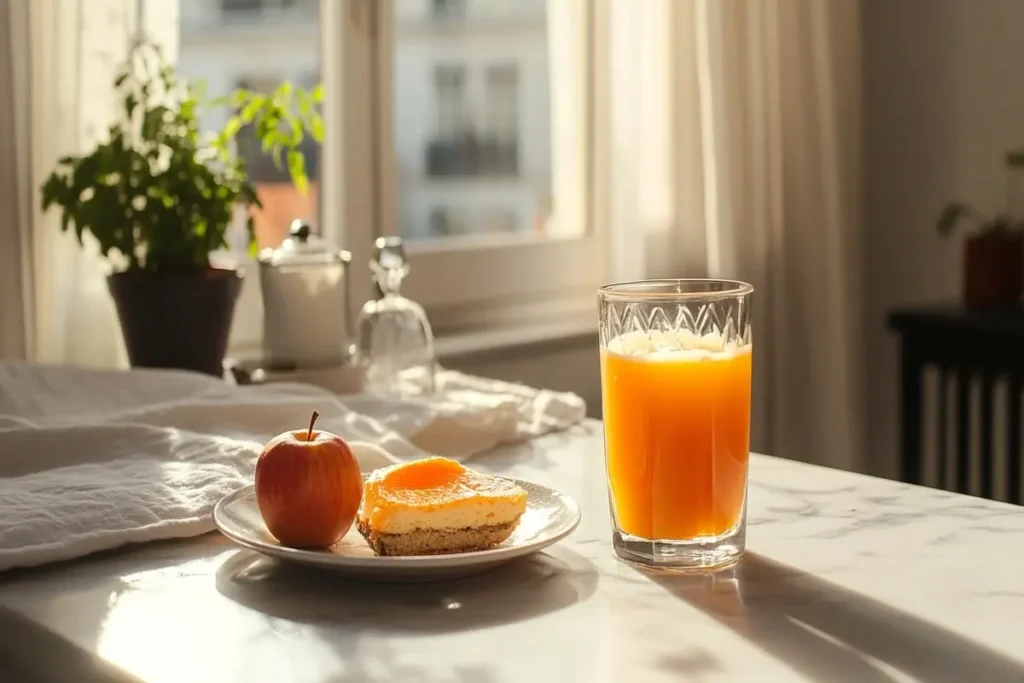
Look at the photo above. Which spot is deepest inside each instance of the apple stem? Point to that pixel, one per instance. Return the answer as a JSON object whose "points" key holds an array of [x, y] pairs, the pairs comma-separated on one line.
{"points": [[312, 420]]}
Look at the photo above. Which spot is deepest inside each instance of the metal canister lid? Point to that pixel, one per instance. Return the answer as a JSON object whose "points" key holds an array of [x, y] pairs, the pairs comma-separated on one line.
{"points": [[302, 247]]}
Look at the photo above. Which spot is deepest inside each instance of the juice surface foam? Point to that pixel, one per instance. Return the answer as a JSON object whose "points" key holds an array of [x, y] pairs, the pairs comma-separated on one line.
{"points": [[677, 345]]}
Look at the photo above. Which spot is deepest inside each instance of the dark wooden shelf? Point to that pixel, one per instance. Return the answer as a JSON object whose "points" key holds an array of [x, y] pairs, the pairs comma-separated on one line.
{"points": [[933, 319]]}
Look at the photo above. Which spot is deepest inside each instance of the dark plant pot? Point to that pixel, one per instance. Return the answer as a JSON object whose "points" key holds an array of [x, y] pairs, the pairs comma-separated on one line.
{"points": [[993, 269], [177, 320]]}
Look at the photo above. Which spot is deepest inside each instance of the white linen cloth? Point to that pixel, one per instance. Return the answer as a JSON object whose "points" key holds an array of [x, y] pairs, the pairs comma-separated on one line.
{"points": [[95, 459]]}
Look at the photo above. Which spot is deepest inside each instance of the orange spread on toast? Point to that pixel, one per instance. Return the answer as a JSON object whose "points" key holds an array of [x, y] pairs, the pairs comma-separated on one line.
{"points": [[432, 484]]}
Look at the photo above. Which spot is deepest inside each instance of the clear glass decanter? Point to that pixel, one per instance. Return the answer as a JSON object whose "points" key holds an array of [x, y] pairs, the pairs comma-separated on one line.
{"points": [[395, 339]]}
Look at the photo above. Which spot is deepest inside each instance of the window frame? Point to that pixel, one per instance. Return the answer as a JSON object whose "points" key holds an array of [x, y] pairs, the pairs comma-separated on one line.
{"points": [[350, 208]]}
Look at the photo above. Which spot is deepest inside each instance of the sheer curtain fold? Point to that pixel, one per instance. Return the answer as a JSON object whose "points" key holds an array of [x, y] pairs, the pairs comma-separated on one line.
{"points": [[57, 62], [761, 183], [15, 269]]}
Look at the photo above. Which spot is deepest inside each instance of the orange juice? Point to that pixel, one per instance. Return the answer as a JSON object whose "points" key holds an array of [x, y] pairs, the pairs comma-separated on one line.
{"points": [[677, 440]]}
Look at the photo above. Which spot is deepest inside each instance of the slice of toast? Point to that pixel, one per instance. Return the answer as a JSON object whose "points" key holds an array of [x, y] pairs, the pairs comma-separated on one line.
{"points": [[436, 541]]}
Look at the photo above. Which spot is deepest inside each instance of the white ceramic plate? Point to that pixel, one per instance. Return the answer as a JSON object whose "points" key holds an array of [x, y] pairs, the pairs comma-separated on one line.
{"points": [[550, 516]]}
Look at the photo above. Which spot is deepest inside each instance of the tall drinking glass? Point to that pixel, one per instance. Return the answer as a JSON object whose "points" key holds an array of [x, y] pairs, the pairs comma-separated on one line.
{"points": [[675, 379]]}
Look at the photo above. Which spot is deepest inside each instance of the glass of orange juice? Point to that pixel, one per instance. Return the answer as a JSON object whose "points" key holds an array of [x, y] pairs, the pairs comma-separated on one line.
{"points": [[675, 382]]}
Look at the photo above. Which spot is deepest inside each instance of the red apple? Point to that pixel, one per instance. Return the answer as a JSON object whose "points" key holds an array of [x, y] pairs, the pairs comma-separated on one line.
{"points": [[308, 487]]}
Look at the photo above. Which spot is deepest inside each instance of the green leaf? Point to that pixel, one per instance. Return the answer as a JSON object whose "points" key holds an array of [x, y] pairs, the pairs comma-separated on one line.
{"points": [[251, 108], [217, 102], [305, 103], [318, 93], [240, 97], [199, 89], [297, 170], [294, 136], [316, 127], [250, 228], [153, 121], [51, 190], [231, 128]]}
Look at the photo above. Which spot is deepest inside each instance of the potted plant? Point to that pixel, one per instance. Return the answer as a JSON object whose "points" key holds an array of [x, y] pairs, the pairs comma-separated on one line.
{"points": [[993, 252], [159, 196]]}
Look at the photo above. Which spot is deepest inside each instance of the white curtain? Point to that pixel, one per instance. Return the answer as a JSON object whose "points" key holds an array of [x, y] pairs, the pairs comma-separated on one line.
{"points": [[16, 326], [736, 153], [57, 62]]}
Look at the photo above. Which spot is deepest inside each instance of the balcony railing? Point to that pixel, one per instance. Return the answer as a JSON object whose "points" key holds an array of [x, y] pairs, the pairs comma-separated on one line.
{"points": [[447, 10], [265, 10], [477, 10], [464, 158]]}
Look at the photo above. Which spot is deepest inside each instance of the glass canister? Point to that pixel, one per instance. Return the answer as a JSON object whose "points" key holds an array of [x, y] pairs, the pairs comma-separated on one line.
{"points": [[395, 340]]}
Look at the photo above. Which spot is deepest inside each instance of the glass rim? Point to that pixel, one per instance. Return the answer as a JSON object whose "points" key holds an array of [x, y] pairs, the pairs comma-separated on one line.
{"points": [[674, 289]]}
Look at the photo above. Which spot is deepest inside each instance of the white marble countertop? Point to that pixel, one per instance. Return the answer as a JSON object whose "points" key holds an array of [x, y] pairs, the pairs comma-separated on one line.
{"points": [[847, 578]]}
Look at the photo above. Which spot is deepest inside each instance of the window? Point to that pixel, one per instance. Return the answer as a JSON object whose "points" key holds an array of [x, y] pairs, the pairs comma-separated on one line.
{"points": [[240, 5], [438, 222], [446, 222], [449, 9], [471, 139], [507, 156], [503, 103], [450, 103]]}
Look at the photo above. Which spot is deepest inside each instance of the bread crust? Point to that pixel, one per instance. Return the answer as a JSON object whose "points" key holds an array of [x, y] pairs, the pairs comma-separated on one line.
{"points": [[436, 541]]}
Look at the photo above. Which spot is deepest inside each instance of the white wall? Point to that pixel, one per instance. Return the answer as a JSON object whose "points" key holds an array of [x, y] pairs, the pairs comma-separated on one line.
{"points": [[943, 100]]}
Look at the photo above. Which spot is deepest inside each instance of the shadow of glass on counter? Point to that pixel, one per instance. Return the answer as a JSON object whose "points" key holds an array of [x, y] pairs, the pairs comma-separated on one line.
{"points": [[828, 632]]}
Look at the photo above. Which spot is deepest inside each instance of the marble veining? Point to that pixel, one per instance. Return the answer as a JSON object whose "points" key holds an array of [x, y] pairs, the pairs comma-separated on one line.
{"points": [[847, 578]]}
